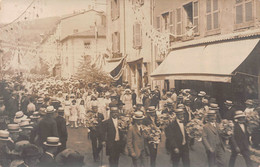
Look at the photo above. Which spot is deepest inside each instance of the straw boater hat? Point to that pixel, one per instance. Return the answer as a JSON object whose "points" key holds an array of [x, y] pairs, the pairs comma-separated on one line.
{"points": [[35, 115], [201, 93], [60, 110], [4, 135], [228, 102], [50, 110], [114, 109], [213, 106], [26, 125], [127, 90], [239, 114], [52, 142], [211, 113], [181, 106], [13, 128], [249, 102], [19, 116], [179, 111], [150, 109], [138, 115]]}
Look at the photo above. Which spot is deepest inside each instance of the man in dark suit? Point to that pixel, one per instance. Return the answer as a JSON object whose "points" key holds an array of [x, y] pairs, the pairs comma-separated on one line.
{"points": [[212, 141], [151, 119], [229, 111], [62, 129], [178, 140], [112, 137], [50, 147], [136, 143], [47, 126], [240, 140], [95, 132]]}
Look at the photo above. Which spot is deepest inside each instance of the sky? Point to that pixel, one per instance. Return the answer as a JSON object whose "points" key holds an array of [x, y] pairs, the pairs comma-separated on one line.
{"points": [[11, 9]]}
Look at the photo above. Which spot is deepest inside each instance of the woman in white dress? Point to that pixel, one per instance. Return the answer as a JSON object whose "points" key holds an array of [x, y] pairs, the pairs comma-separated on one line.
{"points": [[82, 113], [127, 99], [73, 114], [67, 104]]}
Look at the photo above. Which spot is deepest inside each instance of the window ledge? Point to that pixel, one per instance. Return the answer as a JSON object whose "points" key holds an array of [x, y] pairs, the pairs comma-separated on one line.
{"points": [[212, 32], [244, 25], [137, 47]]}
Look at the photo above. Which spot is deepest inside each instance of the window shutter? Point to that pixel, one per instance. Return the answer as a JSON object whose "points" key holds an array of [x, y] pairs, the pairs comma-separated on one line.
{"points": [[172, 22], [209, 22], [134, 44], [248, 10], [196, 16], [239, 14], [208, 6], [179, 21], [118, 42], [215, 5], [158, 23], [117, 8], [113, 42], [215, 19], [138, 35], [112, 9]]}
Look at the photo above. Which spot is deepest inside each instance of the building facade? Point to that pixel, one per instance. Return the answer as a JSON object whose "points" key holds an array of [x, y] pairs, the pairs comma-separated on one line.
{"points": [[208, 40], [79, 35], [128, 40]]}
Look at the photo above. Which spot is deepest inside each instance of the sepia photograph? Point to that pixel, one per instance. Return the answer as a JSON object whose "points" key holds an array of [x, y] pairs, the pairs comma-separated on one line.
{"points": [[129, 83]]}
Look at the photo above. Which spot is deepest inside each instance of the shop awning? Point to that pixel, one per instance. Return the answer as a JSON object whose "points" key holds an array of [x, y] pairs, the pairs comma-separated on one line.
{"points": [[115, 68], [215, 62]]}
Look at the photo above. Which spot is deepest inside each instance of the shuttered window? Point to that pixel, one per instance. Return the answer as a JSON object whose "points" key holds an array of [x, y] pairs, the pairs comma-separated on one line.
{"points": [[178, 21], [115, 11], [116, 42], [158, 23], [137, 36], [244, 11], [212, 14], [196, 16], [172, 22]]}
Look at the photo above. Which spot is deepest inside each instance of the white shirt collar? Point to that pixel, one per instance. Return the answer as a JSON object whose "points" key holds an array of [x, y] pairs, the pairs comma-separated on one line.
{"points": [[50, 154]]}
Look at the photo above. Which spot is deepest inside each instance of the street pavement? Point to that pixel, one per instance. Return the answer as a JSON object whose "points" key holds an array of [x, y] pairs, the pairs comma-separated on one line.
{"points": [[78, 140]]}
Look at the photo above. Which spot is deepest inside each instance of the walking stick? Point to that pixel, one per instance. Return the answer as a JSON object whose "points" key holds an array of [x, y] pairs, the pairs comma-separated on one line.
{"points": [[101, 160]]}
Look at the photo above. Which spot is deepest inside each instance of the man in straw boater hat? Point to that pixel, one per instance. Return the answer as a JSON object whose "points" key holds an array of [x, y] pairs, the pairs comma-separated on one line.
{"points": [[50, 149], [19, 116], [151, 119], [47, 126], [249, 106], [5, 139], [136, 144], [14, 130], [240, 140], [212, 141], [95, 132], [177, 139], [62, 129], [113, 137], [229, 110]]}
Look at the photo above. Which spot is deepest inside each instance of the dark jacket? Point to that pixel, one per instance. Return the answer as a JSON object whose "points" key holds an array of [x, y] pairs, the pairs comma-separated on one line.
{"points": [[240, 139], [174, 136], [47, 128], [62, 129], [95, 132], [109, 134], [148, 121]]}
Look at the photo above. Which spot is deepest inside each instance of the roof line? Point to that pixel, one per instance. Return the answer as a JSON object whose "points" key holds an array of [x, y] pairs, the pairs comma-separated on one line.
{"points": [[83, 12]]}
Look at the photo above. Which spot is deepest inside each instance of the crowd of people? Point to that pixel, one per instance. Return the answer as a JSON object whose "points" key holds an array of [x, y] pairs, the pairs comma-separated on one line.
{"points": [[34, 117]]}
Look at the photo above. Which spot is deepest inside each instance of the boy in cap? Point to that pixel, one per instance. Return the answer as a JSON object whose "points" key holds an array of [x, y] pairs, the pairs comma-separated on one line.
{"points": [[240, 140], [136, 144], [177, 139], [212, 141], [62, 129]]}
